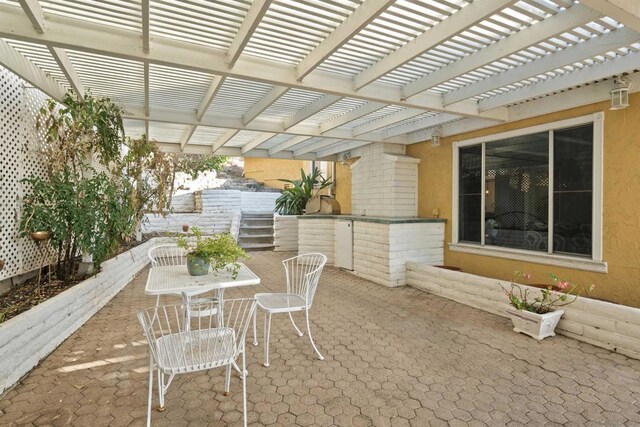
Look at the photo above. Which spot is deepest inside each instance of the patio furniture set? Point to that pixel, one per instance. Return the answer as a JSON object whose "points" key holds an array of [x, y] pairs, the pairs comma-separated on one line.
{"points": [[205, 333]]}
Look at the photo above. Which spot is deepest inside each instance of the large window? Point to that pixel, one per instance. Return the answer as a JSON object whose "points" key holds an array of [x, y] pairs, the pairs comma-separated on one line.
{"points": [[530, 190]]}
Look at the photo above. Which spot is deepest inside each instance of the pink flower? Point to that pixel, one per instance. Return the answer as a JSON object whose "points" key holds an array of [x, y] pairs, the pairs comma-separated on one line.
{"points": [[591, 287], [563, 285], [526, 275]]}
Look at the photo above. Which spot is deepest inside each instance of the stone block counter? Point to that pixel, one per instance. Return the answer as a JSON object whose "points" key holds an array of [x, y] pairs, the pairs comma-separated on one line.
{"points": [[381, 245]]}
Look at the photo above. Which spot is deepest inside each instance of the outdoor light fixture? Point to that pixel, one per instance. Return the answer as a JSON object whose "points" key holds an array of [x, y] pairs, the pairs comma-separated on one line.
{"points": [[620, 93], [436, 136], [345, 157]]}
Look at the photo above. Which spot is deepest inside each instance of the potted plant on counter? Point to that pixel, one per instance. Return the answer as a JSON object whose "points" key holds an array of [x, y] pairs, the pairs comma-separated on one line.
{"points": [[536, 312], [209, 254]]}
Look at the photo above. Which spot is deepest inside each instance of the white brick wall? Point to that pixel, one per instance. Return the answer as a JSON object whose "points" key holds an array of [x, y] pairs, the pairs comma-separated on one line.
{"points": [[285, 233], [612, 326], [218, 208], [384, 184], [317, 235], [382, 250]]}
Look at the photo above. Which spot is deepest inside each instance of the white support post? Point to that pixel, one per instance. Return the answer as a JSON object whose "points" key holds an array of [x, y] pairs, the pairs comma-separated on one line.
{"points": [[69, 71], [439, 33], [251, 21], [257, 141], [146, 91], [145, 26], [359, 18], [563, 21]]}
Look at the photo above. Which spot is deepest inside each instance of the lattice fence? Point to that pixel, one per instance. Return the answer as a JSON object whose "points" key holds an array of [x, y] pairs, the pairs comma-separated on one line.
{"points": [[19, 105]]}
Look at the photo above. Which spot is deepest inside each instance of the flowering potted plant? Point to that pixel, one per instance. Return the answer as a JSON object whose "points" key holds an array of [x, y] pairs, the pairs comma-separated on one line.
{"points": [[535, 312], [211, 253]]}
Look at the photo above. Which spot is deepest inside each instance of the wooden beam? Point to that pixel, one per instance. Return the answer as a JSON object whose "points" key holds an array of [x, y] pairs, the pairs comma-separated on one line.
{"points": [[559, 23], [120, 43], [288, 144], [230, 133], [212, 91], [310, 110], [20, 65], [385, 121], [187, 136], [420, 124], [352, 115], [146, 89], [579, 52], [458, 22], [339, 148], [145, 26], [318, 145], [171, 147], [257, 141], [33, 10], [67, 68], [274, 94], [352, 25], [626, 12], [251, 21]]}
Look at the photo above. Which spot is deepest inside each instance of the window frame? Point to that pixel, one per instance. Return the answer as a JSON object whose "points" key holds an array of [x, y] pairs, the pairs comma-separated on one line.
{"points": [[595, 261]]}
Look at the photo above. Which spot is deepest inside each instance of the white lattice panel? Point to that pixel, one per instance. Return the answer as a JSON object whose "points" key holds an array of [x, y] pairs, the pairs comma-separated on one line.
{"points": [[19, 105]]}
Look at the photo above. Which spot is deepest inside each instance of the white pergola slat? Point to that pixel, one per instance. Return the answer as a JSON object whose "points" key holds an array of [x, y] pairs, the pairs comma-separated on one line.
{"points": [[313, 78]]}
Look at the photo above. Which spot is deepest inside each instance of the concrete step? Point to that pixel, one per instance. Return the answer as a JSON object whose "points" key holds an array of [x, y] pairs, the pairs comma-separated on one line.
{"points": [[257, 214], [255, 236], [257, 246], [256, 227]]}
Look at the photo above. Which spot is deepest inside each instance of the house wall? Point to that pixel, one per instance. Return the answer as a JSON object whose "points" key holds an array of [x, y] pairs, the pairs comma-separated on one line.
{"points": [[343, 187], [621, 201], [269, 171]]}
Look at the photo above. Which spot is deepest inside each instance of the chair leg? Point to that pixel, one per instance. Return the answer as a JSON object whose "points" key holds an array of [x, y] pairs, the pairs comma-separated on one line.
{"points": [[150, 390], [244, 388], [320, 356], [267, 331], [255, 335], [227, 380], [295, 326], [160, 390]]}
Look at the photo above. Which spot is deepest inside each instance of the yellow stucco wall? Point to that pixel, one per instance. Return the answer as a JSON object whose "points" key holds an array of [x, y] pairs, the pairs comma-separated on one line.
{"points": [[269, 171], [343, 187], [621, 201]]}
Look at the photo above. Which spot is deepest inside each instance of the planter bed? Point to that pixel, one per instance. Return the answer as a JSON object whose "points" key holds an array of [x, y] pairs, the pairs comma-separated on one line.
{"points": [[612, 326], [29, 337]]}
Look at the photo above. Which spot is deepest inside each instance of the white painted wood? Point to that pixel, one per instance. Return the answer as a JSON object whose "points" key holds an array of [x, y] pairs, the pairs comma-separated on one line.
{"points": [[310, 110], [420, 124], [340, 148], [441, 32], [611, 326], [106, 39], [285, 233], [344, 244], [212, 91], [146, 109], [17, 63], [598, 187], [233, 151], [144, 5], [318, 145], [67, 68], [257, 141], [359, 18], [187, 136], [563, 21], [288, 144], [625, 11], [385, 121], [226, 137], [355, 114], [33, 10], [249, 24], [273, 95], [620, 65], [588, 49], [30, 337]]}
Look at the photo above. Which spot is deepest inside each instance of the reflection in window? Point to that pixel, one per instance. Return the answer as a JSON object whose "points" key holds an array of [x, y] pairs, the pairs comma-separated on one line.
{"points": [[470, 194]]}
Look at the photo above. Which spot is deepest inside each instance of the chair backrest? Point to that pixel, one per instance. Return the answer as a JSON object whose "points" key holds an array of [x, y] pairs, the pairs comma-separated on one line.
{"points": [[303, 274], [206, 342], [167, 255]]}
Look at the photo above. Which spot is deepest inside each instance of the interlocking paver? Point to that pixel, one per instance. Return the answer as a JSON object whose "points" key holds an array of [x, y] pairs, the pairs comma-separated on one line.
{"points": [[393, 357]]}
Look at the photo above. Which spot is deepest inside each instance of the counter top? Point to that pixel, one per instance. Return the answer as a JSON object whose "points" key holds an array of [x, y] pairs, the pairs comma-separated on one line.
{"points": [[377, 219]]}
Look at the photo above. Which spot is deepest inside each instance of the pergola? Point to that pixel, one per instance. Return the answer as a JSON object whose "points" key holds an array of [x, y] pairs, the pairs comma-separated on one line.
{"points": [[309, 79]]}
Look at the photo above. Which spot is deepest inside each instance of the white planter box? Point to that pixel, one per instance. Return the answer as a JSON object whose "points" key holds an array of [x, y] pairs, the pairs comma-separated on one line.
{"points": [[538, 326], [31, 336]]}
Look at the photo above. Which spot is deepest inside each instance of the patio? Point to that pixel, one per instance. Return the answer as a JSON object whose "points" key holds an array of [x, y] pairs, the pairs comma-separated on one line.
{"points": [[393, 357]]}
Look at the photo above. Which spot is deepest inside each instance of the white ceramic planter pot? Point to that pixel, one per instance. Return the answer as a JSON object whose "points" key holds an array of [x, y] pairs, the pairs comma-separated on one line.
{"points": [[538, 326]]}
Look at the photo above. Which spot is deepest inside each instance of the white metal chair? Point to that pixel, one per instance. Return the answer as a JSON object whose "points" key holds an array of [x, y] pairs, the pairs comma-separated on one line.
{"points": [[303, 274], [209, 342], [170, 255]]}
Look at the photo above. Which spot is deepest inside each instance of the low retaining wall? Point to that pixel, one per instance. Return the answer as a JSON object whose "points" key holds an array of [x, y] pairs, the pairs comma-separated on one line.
{"points": [[285, 233], [29, 337], [611, 326]]}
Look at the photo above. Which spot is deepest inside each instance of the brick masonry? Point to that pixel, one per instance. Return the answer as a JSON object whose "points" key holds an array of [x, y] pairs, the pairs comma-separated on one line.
{"points": [[611, 326]]}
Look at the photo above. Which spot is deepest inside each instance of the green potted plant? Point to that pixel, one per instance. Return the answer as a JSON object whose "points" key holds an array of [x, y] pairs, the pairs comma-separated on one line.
{"points": [[293, 200], [211, 253], [536, 312]]}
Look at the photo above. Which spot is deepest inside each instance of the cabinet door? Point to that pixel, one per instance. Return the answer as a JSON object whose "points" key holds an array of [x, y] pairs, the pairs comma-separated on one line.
{"points": [[344, 245]]}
